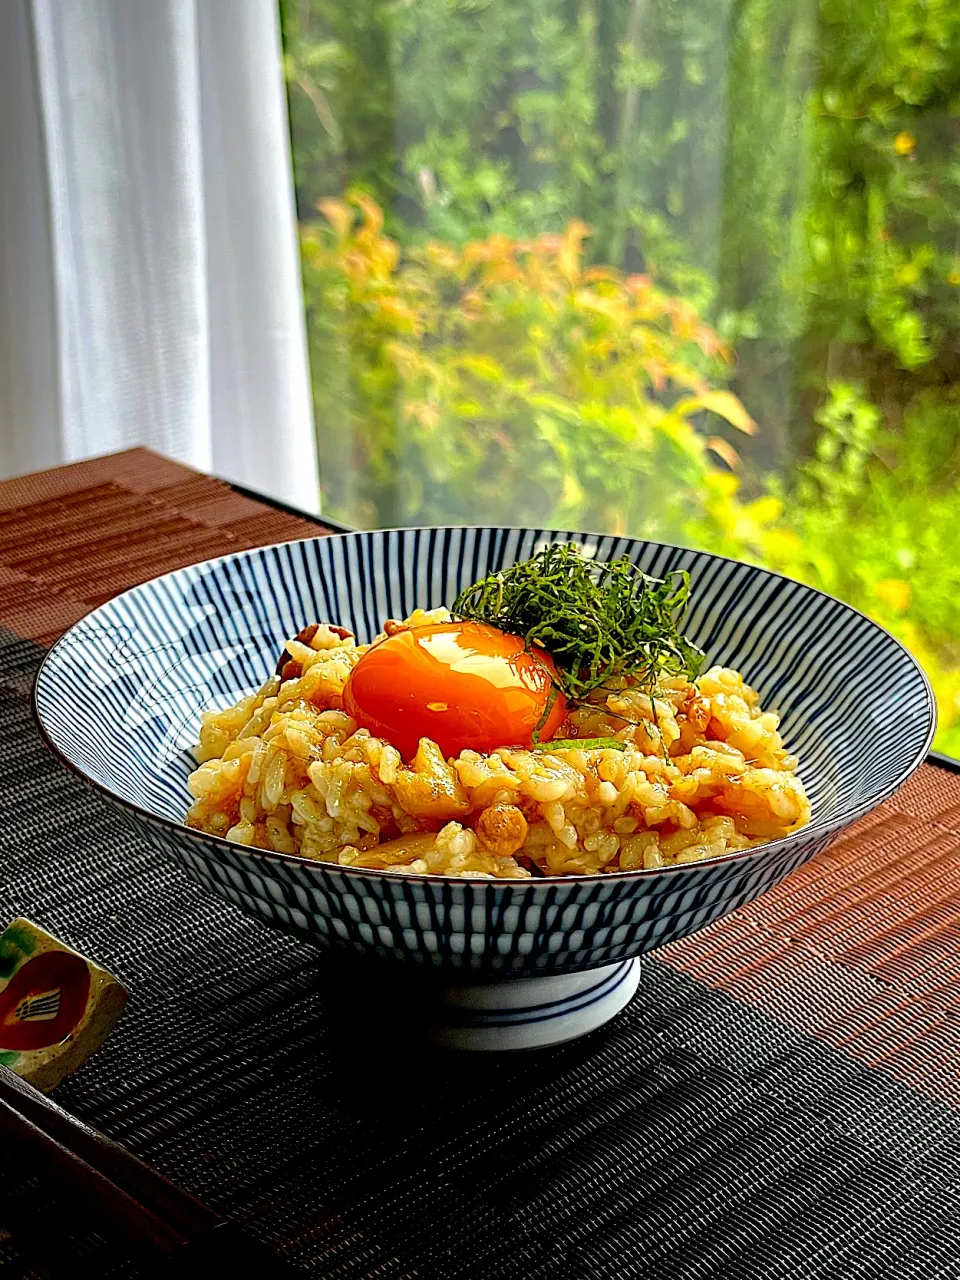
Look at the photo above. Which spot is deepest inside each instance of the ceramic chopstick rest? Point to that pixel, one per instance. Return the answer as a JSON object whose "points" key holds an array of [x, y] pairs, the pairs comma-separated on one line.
{"points": [[56, 1006]]}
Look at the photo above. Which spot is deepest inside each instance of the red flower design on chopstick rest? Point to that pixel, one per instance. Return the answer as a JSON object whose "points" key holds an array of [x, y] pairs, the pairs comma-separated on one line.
{"points": [[56, 1006], [44, 1001]]}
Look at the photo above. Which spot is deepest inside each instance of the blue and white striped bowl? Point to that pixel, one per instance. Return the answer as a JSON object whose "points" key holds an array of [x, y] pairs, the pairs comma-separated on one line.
{"points": [[119, 697]]}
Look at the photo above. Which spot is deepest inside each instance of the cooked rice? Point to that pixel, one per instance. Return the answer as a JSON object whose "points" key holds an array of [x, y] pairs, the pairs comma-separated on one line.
{"points": [[704, 771]]}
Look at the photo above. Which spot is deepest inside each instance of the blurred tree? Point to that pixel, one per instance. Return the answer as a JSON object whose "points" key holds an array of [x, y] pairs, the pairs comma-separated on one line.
{"points": [[469, 384], [787, 173]]}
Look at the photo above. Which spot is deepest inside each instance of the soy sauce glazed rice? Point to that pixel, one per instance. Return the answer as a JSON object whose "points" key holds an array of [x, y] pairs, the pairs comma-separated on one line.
{"points": [[649, 763]]}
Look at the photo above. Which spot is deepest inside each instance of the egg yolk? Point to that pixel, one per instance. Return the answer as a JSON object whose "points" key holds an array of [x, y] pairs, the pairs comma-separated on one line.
{"points": [[463, 684]]}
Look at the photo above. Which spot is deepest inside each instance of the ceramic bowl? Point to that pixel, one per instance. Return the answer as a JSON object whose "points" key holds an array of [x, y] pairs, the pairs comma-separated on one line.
{"points": [[511, 964]]}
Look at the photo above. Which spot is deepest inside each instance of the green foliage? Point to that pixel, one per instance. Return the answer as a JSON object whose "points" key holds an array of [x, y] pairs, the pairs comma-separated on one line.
{"points": [[885, 200], [470, 384], [875, 516], [788, 175], [871, 518]]}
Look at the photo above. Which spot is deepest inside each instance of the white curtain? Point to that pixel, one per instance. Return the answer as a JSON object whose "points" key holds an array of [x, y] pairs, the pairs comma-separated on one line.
{"points": [[149, 275]]}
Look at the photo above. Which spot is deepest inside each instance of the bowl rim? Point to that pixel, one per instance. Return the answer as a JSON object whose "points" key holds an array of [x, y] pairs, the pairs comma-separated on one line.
{"points": [[813, 830]]}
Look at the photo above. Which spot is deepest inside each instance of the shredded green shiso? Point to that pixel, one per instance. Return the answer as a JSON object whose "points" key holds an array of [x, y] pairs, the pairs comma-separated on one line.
{"points": [[598, 622]]}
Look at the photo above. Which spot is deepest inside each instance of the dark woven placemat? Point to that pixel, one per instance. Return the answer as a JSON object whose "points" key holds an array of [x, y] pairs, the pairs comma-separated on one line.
{"points": [[778, 1100]]}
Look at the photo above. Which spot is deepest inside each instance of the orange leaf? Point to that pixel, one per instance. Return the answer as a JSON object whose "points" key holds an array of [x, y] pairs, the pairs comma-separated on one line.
{"points": [[568, 259], [602, 275], [372, 213], [723, 449], [723, 403], [339, 215]]}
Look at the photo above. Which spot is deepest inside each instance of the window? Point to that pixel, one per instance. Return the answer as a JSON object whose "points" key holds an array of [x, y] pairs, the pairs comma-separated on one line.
{"points": [[685, 270]]}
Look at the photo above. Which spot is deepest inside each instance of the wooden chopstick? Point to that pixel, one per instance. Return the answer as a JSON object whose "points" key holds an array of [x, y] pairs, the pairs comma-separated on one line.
{"points": [[44, 1155], [148, 1213], [114, 1165]]}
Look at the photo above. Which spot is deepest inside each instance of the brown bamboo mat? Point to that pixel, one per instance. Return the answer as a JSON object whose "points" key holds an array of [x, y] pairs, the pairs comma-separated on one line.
{"points": [[780, 1100], [861, 947], [75, 536]]}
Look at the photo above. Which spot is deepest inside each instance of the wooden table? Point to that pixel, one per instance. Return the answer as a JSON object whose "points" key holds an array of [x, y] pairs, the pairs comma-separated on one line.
{"points": [[782, 1097]]}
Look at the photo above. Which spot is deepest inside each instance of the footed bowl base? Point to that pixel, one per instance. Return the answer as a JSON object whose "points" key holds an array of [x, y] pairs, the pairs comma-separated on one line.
{"points": [[529, 1013]]}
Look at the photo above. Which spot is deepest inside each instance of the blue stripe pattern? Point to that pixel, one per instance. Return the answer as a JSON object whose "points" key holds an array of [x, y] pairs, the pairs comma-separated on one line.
{"points": [[119, 697]]}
